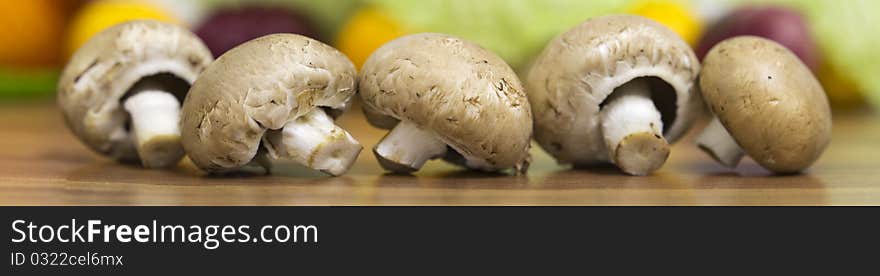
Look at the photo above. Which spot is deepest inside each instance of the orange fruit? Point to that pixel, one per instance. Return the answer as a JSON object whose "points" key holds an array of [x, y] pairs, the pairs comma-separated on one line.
{"points": [[367, 30], [30, 32]]}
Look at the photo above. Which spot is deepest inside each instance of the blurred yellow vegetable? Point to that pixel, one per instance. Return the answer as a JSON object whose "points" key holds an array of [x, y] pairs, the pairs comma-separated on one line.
{"points": [[843, 92], [99, 15], [672, 14], [365, 32]]}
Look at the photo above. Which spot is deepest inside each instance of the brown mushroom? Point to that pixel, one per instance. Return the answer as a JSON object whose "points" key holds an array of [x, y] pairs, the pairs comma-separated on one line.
{"points": [[443, 96], [766, 102], [274, 95], [614, 89], [121, 91]]}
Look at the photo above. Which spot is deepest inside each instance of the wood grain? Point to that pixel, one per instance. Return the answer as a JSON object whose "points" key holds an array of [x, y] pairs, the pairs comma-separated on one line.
{"points": [[41, 163]]}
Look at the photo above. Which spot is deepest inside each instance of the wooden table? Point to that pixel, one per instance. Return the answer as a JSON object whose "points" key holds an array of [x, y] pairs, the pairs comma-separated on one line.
{"points": [[41, 163]]}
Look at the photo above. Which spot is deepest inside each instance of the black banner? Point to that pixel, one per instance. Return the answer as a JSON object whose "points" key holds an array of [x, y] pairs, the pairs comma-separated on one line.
{"points": [[335, 240]]}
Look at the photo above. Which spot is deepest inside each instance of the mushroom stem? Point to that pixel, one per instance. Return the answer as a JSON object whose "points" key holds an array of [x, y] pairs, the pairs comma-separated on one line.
{"points": [[261, 159], [717, 142], [154, 123], [407, 147], [315, 141], [632, 129]]}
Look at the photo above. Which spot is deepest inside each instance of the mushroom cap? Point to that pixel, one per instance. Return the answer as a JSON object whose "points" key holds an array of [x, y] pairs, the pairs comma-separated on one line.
{"points": [[769, 101], [261, 84], [579, 69], [100, 73], [468, 96]]}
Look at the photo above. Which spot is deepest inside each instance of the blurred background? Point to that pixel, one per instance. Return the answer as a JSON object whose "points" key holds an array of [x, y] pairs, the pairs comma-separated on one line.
{"points": [[836, 39]]}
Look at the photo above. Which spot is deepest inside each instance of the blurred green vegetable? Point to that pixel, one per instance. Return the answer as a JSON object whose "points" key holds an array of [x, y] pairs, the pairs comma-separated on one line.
{"points": [[515, 29], [27, 83], [846, 32]]}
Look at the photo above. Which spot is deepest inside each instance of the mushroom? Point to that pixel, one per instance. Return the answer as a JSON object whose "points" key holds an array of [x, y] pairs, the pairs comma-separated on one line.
{"points": [[443, 96], [616, 88], [766, 103], [120, 93], [275, 96]]}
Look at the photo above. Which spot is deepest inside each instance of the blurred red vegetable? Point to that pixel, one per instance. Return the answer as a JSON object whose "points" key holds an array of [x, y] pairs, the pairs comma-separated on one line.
{"points": [[780, 24], [228, 28]]}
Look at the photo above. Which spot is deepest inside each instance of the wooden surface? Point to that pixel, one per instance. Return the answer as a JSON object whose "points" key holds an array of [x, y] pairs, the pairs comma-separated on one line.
{"points": [[41, 163]]}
